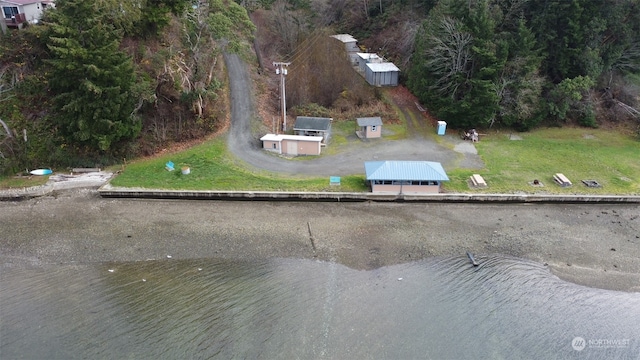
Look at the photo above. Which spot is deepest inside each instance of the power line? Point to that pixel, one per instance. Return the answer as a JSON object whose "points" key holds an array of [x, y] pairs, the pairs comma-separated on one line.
{"points": [[306, 46], [299, 59], [281, 69], [297, 50]]}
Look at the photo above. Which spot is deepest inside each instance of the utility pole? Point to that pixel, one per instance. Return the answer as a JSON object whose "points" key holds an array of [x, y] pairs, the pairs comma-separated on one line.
{"points": [[281, 69]]}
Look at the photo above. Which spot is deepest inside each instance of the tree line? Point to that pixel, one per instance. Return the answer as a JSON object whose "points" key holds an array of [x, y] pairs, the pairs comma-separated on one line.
{"points": [[485, 63], [518, 63]]}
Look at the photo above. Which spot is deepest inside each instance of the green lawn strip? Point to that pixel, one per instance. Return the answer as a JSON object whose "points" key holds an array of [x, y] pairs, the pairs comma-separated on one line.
{"points": [[510, 165], [396, 131], [213, 169], [580, 154], [17, 182], [341, 131]]}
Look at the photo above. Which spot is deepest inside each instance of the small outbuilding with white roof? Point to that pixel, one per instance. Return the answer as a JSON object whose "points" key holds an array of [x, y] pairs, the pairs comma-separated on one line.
{"points": [[405, 177], [350, 45], [366, 58], [292, 144]]}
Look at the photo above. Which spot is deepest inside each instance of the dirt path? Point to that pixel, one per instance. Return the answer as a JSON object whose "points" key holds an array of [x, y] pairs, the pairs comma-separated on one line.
{"points": [[417, 121], [245, 144]]}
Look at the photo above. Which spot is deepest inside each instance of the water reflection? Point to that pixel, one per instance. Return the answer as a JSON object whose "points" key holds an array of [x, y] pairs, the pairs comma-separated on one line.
{"points": [[288, 308]]}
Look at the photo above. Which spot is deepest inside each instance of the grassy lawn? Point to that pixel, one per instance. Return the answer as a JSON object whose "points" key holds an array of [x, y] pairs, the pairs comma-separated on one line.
{"points": [[610, 158], [212, 168], [11, 182], [605, 156]]}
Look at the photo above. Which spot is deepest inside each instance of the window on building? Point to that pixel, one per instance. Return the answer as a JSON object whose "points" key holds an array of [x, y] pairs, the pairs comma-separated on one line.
{"points": [[274, 145], [373, 128], [401, 182], [9, 11]]}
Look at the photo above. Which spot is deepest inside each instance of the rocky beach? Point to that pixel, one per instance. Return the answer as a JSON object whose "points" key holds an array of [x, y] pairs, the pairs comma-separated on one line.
{"points": [[596, 245]]}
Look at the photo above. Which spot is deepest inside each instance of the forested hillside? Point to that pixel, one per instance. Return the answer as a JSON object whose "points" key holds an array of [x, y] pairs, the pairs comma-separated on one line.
{"points": [[486, 63], [97, 81], [518, 63], [100, 80]]}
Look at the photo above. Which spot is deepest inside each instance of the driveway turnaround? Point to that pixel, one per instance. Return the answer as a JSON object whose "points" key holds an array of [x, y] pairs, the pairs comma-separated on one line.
{"points": [[246, 145]]}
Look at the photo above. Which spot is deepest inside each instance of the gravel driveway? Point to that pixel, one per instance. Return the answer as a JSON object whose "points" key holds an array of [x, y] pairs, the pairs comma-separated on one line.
{"points": [[245, 144]]}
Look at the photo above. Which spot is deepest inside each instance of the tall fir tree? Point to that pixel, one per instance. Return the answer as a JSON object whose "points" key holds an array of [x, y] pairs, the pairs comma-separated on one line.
{"points": [[90, 78]]}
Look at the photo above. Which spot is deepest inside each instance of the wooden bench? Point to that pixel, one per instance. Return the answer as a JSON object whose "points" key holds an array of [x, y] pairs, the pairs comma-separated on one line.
{"points": [[561, 180], [478, 181]]}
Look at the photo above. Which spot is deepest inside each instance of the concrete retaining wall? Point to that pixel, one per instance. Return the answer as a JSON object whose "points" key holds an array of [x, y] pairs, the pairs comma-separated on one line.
{"points": [[109, 191], [112, 192]]}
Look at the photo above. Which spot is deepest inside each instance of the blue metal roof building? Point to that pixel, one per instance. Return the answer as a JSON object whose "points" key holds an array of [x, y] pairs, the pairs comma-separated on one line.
{"points": [[405, 176]]}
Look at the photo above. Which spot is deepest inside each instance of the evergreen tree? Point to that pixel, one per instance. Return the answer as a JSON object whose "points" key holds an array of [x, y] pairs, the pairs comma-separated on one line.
{"points": [[90, 78], [459, 60], [569, 32], [156, 15], [520, 85], [620, 42]]}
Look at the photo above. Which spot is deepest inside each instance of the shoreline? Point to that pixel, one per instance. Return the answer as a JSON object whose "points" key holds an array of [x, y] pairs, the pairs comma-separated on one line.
{"points": [[588, 244]]}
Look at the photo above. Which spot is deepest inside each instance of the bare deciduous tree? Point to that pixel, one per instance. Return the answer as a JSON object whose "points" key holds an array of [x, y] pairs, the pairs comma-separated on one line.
{"points": [[322, 74], [288, 24], [449, 56]]}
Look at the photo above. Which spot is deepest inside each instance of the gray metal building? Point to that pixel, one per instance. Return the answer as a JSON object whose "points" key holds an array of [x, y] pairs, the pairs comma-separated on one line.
{"points": [[381, 74]]}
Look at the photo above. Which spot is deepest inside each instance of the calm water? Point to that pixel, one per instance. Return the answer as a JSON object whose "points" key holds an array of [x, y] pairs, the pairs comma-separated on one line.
{"points": [[302, 309]]}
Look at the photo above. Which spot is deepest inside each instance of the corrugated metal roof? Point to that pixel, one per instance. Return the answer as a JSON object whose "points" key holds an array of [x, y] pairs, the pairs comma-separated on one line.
{"points": [[405, 170], [312, 123], [368, 56], [382, 67], [369, 121], [345, 38], [280, 137]]}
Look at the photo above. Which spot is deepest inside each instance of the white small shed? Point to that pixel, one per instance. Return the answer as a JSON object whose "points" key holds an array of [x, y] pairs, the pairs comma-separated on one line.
{"points": [[350, 45], [292, 144], [366, 58]]}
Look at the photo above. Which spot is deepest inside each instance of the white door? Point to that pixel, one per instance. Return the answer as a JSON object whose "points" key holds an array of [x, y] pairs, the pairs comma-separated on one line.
{"points": [[292, 147]]}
